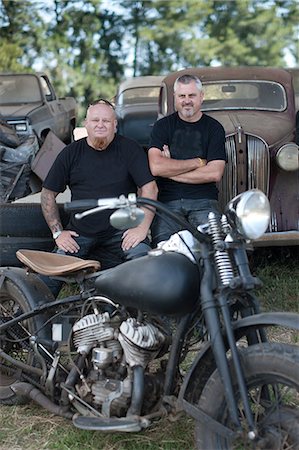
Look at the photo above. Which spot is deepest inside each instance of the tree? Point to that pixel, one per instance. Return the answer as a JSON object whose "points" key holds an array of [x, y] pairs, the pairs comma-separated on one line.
{"points": [[21, 34]]}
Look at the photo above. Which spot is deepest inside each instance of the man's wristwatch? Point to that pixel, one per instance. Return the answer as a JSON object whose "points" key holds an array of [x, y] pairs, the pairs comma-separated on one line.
{"points": [[56, 234]]}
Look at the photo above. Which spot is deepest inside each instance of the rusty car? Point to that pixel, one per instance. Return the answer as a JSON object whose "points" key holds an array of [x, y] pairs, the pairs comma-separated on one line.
{"points": [[256, 106]]}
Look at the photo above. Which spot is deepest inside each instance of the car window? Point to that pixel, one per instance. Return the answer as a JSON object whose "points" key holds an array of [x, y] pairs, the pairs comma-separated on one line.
{"points": [[19, 89], [264, 95], [146, 94]]}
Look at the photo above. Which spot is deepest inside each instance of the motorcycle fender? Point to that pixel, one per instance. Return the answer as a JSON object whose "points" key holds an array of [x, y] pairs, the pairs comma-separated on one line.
{"points": [[34, 290], [204, 364], [282, 319]]}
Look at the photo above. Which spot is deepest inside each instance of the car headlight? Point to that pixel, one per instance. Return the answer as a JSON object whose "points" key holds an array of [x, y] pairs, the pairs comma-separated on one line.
{"points": [[21, 127], [287, 157], [249, 212]]}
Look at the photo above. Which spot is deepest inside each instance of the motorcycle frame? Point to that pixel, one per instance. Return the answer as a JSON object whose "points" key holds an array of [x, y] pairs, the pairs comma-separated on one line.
{"points": [[218, 343]]}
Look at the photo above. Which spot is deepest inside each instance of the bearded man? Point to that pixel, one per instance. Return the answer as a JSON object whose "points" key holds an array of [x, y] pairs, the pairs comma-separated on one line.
{"points": [[187, 155], [103, 164]]}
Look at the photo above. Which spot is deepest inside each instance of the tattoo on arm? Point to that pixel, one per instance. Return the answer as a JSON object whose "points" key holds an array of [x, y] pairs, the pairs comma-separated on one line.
{"points": [[50, 210]]}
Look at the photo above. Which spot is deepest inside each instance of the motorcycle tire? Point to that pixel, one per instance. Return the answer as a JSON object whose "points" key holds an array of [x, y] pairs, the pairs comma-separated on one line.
{"points": [[9, 246], [26, 219], [12, 303], [275, 366]]}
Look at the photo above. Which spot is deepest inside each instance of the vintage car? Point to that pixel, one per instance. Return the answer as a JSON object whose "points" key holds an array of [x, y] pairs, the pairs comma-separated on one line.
{"points": [[256, 108], [136, 106]]}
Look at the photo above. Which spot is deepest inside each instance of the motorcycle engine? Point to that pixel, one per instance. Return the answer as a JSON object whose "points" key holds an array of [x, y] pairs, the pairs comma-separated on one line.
{"points": [[113, 347]]}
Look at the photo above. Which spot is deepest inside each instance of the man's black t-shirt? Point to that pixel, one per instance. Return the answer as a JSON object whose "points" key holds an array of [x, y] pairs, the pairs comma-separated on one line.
{"points": [[92, 174], [204, 139]]}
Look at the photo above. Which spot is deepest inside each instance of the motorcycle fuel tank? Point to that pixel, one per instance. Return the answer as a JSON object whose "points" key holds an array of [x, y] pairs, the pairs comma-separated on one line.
{"points": [[160, 282]]}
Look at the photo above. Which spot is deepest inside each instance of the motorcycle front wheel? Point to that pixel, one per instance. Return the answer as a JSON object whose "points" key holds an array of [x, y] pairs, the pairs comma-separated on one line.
{"points": [[13, 342], [272, 377]]}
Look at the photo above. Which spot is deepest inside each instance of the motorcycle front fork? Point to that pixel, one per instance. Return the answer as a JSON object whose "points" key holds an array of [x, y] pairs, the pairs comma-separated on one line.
{"points": [[211, 314]]}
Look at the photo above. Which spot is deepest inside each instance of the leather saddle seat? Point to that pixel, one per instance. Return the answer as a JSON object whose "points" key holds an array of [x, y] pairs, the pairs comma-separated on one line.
{"points": [[53, 264]]}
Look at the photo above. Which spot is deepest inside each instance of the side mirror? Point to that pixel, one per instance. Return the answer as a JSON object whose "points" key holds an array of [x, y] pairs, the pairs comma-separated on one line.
{"points": [[125, 218]]}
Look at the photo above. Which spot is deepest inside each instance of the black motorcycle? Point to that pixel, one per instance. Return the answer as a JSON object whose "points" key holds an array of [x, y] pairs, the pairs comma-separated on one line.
{"points": [[119, 354]]}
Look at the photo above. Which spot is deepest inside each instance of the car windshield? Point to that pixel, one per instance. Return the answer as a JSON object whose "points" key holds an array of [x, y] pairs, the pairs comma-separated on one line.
{"points": [[146, 94], [264, 95], [19, 89]]}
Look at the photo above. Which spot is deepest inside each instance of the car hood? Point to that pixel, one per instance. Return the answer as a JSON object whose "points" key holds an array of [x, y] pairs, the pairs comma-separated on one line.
{"points": [[18, 110], [270, 126]]}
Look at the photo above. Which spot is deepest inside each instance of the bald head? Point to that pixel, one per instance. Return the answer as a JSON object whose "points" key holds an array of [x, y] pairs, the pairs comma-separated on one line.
{"points": [[101, 125]]}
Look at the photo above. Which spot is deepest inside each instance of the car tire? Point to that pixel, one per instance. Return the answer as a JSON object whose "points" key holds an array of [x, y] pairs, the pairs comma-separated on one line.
{"points": [[10, 245], [26, 220]]}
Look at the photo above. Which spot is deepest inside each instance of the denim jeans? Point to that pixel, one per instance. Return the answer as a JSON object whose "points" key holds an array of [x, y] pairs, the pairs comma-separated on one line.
{"points": [[193, 210], [108, 251]]}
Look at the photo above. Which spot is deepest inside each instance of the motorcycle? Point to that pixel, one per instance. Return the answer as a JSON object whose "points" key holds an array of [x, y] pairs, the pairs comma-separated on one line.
{"points": [[118, 354]]}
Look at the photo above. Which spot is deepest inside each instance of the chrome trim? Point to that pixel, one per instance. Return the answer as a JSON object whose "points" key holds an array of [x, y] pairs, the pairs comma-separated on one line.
{"points": [[258, 158], [258, 167]]}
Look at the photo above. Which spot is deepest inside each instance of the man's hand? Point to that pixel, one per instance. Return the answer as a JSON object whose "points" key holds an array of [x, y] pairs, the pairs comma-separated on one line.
{"points": [[66, 242], [133, 237], [165, 151]]}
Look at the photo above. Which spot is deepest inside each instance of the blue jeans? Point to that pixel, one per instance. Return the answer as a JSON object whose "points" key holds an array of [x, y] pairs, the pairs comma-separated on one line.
{"points": [[108, 251], [193, 210]]}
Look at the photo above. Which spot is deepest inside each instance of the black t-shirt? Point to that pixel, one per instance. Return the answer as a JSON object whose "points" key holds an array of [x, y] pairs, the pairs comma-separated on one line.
{"points": [[204, 138], [93, 174]]}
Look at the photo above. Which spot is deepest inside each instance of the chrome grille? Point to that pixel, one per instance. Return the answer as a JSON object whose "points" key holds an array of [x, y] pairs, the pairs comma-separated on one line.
{"points": [[257, 162]]}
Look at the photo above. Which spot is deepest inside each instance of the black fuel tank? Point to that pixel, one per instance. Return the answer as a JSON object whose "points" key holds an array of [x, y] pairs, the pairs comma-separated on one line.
{"points": [[164, 283]]}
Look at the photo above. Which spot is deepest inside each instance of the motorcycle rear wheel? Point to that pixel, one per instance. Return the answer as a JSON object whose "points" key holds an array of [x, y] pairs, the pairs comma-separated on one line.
{"points": [[14, 341], [271, 366]]}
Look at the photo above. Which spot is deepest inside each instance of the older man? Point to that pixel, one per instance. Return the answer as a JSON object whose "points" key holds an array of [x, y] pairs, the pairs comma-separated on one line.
{"points": [[187, 155], [102, 165]]}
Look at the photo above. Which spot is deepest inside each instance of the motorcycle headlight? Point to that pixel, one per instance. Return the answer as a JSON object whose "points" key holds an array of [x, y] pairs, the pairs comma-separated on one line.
{"points": [[287, 157], [249, 212]]}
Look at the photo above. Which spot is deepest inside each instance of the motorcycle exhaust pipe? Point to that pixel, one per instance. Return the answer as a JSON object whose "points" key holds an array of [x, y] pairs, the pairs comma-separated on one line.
{"points": [[28, 390]]}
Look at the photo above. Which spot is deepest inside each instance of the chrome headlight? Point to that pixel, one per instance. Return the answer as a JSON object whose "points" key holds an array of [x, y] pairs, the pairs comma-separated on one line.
{"points": [[21, 127], [287, 157], [249, 212]]}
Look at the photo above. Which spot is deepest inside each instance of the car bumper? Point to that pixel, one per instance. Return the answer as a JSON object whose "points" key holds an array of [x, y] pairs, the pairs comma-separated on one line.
{"points": [[278, 239]]}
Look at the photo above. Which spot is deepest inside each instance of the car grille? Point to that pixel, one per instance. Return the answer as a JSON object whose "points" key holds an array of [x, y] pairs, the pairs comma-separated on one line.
{"points": [[248, 166]]}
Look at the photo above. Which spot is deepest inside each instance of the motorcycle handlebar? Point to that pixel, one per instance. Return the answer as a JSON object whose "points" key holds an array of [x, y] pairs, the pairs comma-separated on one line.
{"points": [[80, 205], [105, 203], [131, 200]]}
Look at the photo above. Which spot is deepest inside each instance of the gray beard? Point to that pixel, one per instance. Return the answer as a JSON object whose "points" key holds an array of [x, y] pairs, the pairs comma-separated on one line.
{"points": [[100, 143], [188, 113]]}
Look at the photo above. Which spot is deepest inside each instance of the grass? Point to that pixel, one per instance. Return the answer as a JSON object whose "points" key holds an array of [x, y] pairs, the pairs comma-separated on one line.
{"points": [[29, 427]]}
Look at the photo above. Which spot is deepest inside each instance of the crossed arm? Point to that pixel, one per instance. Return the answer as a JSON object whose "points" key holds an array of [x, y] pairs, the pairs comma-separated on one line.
{"points": [[193, 171]]}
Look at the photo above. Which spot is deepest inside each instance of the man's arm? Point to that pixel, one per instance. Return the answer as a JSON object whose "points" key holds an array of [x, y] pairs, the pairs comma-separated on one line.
{"points": [[211, 172], [134, 236], [50, 210], [64, 240], [163, 166]]}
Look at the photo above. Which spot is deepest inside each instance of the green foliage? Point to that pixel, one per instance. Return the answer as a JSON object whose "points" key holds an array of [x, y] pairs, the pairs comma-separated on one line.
{"points": [[9, 56]]}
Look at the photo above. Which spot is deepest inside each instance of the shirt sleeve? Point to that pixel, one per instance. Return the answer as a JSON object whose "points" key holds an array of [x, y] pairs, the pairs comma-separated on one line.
{"points": [[138, 165], [159, 135], [58, 177], [216, 143]]}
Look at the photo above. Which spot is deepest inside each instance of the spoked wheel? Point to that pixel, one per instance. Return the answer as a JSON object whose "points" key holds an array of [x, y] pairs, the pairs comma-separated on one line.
{"points": [[272, 378], [13, 341]]}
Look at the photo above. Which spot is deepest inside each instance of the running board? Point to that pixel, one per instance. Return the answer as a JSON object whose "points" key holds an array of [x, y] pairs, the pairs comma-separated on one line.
{"points": [[123, 425]]}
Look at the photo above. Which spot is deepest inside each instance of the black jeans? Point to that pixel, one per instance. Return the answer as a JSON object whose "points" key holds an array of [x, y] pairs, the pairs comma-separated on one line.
{"points": [[108, 251], [195, 211]]}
